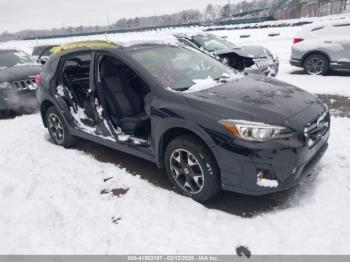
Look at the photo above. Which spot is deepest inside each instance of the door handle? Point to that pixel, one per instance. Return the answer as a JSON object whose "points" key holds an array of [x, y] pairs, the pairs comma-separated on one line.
{"points": [[328, 41]]}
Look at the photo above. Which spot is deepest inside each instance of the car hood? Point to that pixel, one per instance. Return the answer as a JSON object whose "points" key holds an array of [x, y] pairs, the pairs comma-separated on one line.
{"points": [[246, 51], [254, 98], [19, 72]]}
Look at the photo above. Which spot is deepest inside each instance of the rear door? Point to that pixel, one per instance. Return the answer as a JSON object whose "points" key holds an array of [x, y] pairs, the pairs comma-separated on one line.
{"points": [[335, 41], [75, 89], [342, 37]]}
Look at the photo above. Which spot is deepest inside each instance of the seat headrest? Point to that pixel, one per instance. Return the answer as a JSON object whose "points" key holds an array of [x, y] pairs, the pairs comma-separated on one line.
{"points": [[111, 67]]}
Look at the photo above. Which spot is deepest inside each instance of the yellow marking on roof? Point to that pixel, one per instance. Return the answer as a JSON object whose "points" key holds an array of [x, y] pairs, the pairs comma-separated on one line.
{"points": [[87, 44]]}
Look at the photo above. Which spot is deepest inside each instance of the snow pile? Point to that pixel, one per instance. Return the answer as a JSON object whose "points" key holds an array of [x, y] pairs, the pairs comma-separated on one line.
{"points": [[148, 39], [263, 182], [202, 84], [60, 90], [281, 23]]}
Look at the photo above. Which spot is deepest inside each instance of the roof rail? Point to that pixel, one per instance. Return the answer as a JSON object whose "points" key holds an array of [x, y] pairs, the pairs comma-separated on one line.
{"points": [[84, 44]]}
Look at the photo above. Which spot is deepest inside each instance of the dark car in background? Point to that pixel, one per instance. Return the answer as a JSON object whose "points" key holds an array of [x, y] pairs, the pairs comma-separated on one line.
{"points": [[251, 59], [42, 53], [17, 81], [211, 127]]}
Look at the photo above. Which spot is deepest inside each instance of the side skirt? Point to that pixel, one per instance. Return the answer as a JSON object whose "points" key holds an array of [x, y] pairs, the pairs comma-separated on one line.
{"points": [[135, 150]]}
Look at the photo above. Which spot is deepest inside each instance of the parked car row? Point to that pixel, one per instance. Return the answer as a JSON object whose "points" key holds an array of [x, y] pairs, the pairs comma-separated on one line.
{"points": [[188, 107]]}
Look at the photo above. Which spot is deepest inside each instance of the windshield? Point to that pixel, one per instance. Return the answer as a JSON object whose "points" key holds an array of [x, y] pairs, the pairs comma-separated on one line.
{"points": [[180, 68], [213, 43], [15, 58]]}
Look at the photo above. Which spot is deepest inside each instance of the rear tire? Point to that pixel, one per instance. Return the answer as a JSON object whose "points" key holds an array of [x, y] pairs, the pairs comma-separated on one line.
{"points": [[58, 128], [192, 169], [316, 64]]}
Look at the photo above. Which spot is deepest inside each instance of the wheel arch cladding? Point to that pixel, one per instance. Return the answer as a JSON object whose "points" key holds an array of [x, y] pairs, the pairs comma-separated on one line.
{"points": [[174, 132], [43, 109], [313, 52]]}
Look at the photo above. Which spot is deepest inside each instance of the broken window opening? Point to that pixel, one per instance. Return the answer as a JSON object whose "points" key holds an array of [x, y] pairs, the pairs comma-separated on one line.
{"points": [[124, 94]]}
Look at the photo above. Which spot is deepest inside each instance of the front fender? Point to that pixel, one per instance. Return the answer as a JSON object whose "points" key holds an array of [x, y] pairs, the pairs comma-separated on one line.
{"points": [[163, 126]]}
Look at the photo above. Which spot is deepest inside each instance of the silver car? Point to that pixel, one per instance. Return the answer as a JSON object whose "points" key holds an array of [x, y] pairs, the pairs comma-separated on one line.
{"points": [[251, 59], [322, 47]]}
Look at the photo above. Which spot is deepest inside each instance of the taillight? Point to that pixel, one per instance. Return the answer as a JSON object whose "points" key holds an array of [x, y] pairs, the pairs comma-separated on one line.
{"points": [[297, 40], [37, 79]]}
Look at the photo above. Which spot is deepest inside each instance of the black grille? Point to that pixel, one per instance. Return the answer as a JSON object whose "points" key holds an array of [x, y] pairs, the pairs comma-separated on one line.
{"points": [[315, 130], [261, 62], [27, 84]]}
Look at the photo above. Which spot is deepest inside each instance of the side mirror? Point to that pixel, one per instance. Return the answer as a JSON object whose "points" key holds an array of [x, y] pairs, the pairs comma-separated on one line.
{"points": [[43, 60]]}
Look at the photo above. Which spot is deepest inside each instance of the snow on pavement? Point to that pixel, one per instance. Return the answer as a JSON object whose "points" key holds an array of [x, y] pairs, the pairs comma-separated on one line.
{"points": [[51, 204]]}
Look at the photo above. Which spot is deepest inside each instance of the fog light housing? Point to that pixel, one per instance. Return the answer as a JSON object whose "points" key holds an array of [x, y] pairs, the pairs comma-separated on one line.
{"points": [[264, 178]]}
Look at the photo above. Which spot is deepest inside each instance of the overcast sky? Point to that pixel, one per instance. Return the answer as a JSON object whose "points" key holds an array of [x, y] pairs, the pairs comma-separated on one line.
{"points": [[41, 14]]}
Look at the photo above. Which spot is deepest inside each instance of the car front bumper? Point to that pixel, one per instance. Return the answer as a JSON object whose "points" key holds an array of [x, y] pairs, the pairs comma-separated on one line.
{"points": [[286, 165], [295, 62], [21, 101], [269, 70]]}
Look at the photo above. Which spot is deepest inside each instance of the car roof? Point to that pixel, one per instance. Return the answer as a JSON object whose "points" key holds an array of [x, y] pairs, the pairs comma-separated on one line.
{"points": [[81, 48], [44, 46], [146, 46]]}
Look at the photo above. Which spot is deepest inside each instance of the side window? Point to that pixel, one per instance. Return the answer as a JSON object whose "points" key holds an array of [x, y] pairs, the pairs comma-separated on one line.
{"points": [[109, 67], [75, 75]]}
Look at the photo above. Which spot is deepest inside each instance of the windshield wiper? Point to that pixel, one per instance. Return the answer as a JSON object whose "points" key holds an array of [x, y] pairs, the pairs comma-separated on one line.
{"points": [[222, 79]]}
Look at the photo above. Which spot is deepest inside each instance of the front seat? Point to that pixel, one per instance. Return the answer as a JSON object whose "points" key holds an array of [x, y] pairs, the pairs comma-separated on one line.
{"points": [[124, 104]]}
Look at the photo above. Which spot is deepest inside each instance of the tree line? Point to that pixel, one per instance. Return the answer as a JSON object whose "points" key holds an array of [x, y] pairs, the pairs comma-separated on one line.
{"points": [[276, 9]]}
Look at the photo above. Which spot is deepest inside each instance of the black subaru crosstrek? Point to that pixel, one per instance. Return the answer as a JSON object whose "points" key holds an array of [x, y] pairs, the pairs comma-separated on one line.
{"points": [[17, 81], [212, 128]]}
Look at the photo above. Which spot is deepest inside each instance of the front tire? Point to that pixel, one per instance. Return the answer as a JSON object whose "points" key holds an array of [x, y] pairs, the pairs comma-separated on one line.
{"points": [[192, 169], [58, 128], [316, 64]]}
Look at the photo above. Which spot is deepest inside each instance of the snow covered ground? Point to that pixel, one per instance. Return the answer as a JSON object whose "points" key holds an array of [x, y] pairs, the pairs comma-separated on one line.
{"points": [[51, 201]]}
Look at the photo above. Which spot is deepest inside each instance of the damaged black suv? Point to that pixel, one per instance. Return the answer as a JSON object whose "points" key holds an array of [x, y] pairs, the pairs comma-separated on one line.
{"points": [[211, 127]]}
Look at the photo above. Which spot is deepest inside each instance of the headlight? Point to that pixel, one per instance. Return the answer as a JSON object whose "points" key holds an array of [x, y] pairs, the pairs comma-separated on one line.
{"points": [[5, 85], [254, 131]]}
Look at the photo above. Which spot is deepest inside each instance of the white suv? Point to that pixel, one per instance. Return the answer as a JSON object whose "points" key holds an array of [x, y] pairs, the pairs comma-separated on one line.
{"points": [[321, 47]]}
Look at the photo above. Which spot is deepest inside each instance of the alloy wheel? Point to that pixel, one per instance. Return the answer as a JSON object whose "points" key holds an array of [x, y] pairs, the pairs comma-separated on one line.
{"points": [[315, 66], [186, 171], [56, 128]]}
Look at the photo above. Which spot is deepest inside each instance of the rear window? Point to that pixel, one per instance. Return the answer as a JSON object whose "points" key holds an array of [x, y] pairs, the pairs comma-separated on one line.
{"points": [[15, 58]]}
